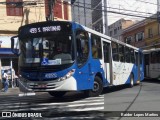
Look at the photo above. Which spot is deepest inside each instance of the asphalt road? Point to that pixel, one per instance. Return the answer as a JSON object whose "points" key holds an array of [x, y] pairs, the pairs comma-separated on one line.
{"points": [[136, 100], [113, 104]]}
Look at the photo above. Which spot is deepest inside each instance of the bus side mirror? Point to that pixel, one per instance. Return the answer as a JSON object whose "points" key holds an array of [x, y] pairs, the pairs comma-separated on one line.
{"points": [[15, 45]]}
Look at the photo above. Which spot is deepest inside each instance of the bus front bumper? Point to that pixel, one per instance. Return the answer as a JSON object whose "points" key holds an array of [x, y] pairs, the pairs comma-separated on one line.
{"points": [[69, 84]]}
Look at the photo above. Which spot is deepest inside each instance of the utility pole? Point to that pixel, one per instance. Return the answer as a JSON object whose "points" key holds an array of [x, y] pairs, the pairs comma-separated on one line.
{"points": [[158, 11], [104, 16], [78, 12], [84, 12], [73, 9], [51, 9], [158, 7]]}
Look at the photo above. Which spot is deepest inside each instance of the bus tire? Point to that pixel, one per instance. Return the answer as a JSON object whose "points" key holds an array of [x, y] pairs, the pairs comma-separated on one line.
{"points": [[57, 93], [131, 81], [97, 88]]}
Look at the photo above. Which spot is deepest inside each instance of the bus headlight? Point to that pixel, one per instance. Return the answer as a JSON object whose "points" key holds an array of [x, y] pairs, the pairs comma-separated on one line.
{"points": [[68, 75]]}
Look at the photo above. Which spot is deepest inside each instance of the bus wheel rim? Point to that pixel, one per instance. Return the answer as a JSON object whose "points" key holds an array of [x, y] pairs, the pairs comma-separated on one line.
{"points": [[96, 86], [131, 81]]}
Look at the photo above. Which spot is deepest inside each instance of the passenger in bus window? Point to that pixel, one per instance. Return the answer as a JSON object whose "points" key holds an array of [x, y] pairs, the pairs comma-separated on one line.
{"points": [[63, 55], [79, 46], [94, 50]]}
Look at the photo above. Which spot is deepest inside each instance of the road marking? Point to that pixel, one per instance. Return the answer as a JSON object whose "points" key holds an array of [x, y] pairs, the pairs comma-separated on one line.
{"points": [[26, 94], [57, 107], [93, 103], [87, 109], [75, 105]]}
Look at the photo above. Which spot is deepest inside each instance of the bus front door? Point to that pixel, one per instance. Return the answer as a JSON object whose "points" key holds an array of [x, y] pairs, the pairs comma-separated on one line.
{"points": [[107, 62]]}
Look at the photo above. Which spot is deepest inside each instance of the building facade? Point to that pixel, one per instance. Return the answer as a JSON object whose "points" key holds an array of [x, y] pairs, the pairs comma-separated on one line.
{"points": [[91, 13], [144, 34], [115, 30], [134, 34], [82, 13], [152, 33], [99, 16]]}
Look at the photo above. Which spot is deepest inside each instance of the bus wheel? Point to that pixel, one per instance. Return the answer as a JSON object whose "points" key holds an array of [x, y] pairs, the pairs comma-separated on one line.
{"points": [[131, 81], [97, 88], [57, 93]]}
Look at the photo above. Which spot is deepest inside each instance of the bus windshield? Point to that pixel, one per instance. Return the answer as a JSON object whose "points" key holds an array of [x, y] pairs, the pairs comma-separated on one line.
{"points": [[52, 50]]}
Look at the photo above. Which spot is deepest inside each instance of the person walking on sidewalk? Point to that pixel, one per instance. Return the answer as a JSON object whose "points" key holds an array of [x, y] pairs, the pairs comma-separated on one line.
{"points": [[5, 81]]}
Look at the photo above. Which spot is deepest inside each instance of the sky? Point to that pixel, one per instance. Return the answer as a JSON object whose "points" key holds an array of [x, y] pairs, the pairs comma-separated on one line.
{"points": [[148, 7]]}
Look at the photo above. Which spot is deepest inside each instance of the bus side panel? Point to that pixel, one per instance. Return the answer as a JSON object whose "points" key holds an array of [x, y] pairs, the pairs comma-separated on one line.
{"points": [[121, 73], [135, 74], [86, 74]]}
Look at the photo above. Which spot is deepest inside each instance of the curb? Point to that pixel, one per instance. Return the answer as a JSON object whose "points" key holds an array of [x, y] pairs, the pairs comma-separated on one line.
{"points": [[11, 91]]}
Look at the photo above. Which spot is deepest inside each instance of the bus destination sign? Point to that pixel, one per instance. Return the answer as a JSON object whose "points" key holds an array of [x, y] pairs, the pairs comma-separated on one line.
{"points": [[45, 29]]}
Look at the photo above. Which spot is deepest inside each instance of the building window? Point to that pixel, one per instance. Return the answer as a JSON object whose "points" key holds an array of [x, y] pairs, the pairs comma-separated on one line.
{"points": [[128, 39], [110, 33], [139, 36], [158, 29], [115, 31], [150, 34]]}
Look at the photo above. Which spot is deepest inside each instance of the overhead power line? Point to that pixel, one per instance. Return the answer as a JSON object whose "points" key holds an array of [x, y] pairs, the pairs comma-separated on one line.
{"points": [[117, 8], [78, 5], [110, 11]]}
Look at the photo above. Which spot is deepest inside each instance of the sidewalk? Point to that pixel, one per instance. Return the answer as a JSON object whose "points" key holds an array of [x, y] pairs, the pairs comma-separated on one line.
{"points": [[11, 91]]}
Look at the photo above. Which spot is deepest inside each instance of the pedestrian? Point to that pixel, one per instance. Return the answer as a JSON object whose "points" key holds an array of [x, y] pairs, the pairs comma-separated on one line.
{"points": [[5, 81]]}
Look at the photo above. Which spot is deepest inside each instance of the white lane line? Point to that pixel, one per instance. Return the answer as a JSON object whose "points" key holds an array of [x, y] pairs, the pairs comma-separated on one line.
{"points": [[72, 118], [50, 104], [81, 101], [26, 94], [3, 104], [94, 97], [60, 107], [87, 109], [75, 105]]}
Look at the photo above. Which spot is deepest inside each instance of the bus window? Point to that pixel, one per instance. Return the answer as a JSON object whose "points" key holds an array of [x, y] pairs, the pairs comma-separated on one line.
{"points": [[158, 55], [132, 56], [127, 54], [82, 46], [141, 56], [136, 55], [115, 51], [121, 53], [153, 57], [96, 46]]}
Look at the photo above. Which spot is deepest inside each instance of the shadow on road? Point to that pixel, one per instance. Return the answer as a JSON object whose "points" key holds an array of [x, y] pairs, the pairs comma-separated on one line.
{"points": [[114, 88], [151, 81]]}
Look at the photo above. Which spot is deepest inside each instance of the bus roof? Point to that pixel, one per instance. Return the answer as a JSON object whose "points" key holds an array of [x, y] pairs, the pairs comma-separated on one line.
{"points": [[151, 50], [85, 28], [107, 37]]}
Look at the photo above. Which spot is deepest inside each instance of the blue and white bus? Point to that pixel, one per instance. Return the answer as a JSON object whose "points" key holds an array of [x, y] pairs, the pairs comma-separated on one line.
{"points": [[60, 56]]}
